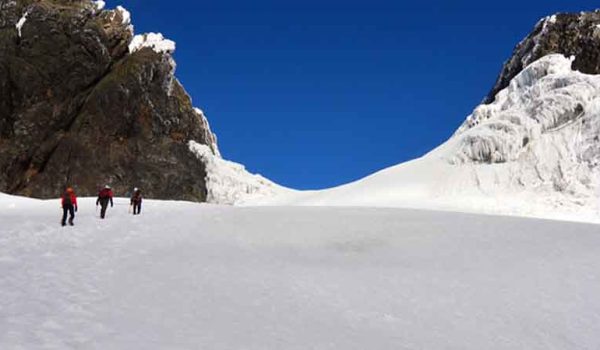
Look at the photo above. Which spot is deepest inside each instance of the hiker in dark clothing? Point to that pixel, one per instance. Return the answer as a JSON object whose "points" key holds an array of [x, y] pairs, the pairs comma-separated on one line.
{"points": [[68, 201], [136, 201], [104, 197]]}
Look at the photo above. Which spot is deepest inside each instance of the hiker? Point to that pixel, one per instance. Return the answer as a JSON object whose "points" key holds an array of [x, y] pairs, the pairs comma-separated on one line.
{"points": [[136, 201], [104, 196], [68, 201]]}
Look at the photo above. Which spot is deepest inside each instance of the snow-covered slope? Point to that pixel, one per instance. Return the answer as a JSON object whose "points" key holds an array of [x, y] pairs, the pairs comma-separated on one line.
{"points": [[534, 151], [193, 276]]}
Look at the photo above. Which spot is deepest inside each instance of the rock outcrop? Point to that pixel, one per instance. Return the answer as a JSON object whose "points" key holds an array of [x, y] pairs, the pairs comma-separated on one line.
{"points": [[570, 34], [81, 106]]}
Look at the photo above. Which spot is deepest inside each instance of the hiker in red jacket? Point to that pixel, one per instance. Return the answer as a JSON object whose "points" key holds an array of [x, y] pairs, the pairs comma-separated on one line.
{"points": [[104, 197], [136, 201], [68, 201]]}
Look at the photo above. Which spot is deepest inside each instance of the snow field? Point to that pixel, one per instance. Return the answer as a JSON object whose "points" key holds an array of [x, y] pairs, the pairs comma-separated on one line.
{"points": [[191, 276]]}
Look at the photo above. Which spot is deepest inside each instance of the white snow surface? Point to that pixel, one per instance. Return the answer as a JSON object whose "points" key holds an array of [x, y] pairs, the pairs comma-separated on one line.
{"points": [[192, 276], [155, 41], [229, 182], [21, 23], [534, 151]]}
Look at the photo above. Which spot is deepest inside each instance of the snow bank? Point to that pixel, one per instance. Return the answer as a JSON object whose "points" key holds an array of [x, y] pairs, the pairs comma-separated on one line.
{"points": [[228, 182], [155, 41], [534, 151]]}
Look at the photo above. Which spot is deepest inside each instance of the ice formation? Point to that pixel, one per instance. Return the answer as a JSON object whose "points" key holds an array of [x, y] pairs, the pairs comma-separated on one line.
{"points": [[546, 123], [209, 134], [230, 183]]}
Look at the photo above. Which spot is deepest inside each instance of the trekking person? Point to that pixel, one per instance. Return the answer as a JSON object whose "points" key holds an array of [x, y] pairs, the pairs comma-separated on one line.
{"points": [[136, 201], [68, 202], [104, 196]]}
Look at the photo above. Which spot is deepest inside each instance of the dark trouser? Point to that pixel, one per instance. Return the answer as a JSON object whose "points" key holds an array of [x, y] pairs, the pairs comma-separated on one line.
{"points": [[68, 208], [137, 208], [103, 205]]}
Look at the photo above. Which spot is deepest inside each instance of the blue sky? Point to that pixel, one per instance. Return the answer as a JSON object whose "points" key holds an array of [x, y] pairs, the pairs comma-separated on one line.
{"points": [[314, 94]]}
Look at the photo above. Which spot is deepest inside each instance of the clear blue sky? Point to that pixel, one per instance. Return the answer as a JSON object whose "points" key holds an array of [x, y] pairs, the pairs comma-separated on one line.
{"points": [[313, 94]]}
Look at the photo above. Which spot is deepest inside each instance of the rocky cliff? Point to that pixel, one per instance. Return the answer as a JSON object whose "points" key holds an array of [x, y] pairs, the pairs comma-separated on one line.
{"points": [[570, 34], [84, 102]]}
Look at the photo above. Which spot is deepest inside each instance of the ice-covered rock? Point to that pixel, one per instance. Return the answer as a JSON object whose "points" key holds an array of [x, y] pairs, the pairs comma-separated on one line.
{"points": [[545, 97], [209, 135], [229, 182], [545, 125], [571, 34], [155, 41]]}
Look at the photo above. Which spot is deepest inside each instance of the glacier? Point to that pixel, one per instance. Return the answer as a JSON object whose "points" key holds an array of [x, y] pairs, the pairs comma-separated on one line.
{"points": [[534, 151]]}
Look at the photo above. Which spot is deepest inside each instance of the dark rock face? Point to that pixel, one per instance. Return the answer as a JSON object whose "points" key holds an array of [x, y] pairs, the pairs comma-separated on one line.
{"points": [[77, 109], [568, 34]]}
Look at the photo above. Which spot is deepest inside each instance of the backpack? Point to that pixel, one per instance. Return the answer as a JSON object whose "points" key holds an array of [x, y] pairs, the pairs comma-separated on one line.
{"points": [[105, 193]]}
